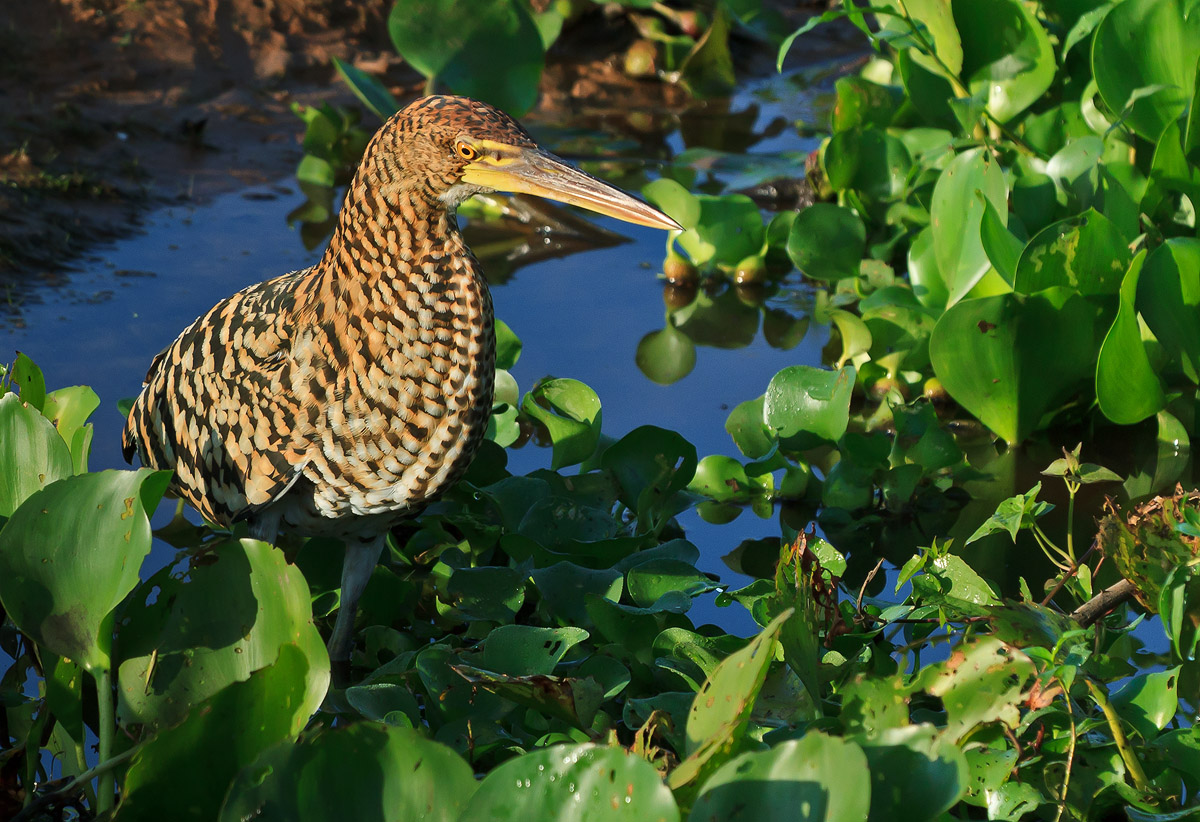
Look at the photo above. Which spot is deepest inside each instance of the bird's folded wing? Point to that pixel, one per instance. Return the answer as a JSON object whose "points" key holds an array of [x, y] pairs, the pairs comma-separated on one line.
{"points": [[219, 408]]}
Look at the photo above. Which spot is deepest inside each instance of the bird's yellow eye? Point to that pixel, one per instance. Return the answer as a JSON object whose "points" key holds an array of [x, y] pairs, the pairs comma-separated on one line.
{"points": [[466, 151]]}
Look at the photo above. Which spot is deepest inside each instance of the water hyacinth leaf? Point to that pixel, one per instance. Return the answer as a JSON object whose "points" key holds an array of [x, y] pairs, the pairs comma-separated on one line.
{"points": [[648, 582], [372, 93], [675, 200], [817, 777], [929, 93], [493, 593], [224, 617], [1149, 701], [721, 478], [564, 587], [487, 49], [861, 102], [1127, 387], [721, 709], [1002, 247], [571, 413], [362, 772], [613, 784], [707, 71], [164, 782], [26, 378], [983, 681], [1075, 171], [1162, 55], [747, 427], [991, 356], [827, 241], [956, 213], [666, 356], [525, 650], [868, 161], [801, 398], [1168, 297], [916, 774], [69, 408], [937, 20], [32, 454], [508, 346], [316, 171], [1007, 54], [1085, 252], [71, 553], [651, 466], [927, 282], [728, 230], [1179, 609]]}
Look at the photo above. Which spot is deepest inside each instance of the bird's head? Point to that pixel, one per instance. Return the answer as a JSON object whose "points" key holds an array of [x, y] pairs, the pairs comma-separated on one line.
{"points": [[454, 147]]}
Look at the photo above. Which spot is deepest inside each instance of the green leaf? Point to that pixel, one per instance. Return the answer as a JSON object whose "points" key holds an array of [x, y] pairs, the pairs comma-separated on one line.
{"points": [[508, 346], [956, 212], [817, 777], [373, 94], [1014, 515], [68, 408], [916, 773], [721, 709], [868, 161], [316, 171], [1002, 247], [32, 454], [1127, 388], [801, 398], [707, 71], [1168, 297], [1149, 701], [611, 783], [938, 24], [571, 413], [564, 586], [164, 780], [487, 49], [26, 378], [525, 650], [651, 466], [982, 682], [71, 553], [1145, 43], [729, 229], [1085, 252], [361, 772], [241, 601], [991, 354], [1007, 55], [675, 200], [747, 426]]}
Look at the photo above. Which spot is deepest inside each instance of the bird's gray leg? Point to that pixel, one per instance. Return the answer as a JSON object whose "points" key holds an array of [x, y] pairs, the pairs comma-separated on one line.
{"points": [[361, 558]]}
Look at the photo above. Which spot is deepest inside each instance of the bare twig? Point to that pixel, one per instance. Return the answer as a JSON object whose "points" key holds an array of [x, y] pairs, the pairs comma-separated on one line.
{"points": [[1102, 603]]}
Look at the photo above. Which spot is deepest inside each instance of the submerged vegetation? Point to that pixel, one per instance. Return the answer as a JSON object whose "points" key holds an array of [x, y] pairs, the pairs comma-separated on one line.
{"points": [[1006, 257]]}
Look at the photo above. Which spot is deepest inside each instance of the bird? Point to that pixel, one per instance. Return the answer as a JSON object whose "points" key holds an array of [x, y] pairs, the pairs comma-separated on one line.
{"points": [[341, 399]]}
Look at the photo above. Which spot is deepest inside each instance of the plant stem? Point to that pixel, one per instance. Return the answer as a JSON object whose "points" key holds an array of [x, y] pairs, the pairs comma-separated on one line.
{"points": [[1132, 763], [104, 699], [75, 785]]}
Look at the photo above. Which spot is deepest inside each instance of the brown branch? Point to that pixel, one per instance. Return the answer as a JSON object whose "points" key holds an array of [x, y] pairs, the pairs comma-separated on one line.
{"points": [[1103, 603]]}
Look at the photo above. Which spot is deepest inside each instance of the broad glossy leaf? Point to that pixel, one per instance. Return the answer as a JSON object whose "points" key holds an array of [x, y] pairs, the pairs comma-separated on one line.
{"points": [[508, 346], [747, 426], [1149, 701], [707, 71], [868, 161], [801, 398], [487, 49], [1010, 361], [573, 782], [956, 211], [526, 650], [916, 773], [571, 413], [981, 682], [564, 587], [71, 553], [817, 777], [32, 454], [717, 720], [675, 200], [26, 378], [373, 94], [1127, 387], [651, 465], [224, 616], [68, 408], [648, 582], [1085, 252], [927, 282], [166, 779], [1145, 43], [362, 772], [937, 19], [861, 102], [1168, 297], [573, 700], [1006, 54], [729, 229], [1002, 247]]}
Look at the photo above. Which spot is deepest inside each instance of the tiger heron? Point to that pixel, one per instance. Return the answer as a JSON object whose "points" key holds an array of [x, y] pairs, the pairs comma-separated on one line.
{"points": [[342, 398]]}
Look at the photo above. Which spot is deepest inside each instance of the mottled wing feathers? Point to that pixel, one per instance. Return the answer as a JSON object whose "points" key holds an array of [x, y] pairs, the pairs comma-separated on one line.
{"points": [[218, 405]]}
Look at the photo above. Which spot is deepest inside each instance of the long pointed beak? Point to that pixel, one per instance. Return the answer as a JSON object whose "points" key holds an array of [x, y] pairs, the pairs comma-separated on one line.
{"points": [[537, 172]]}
